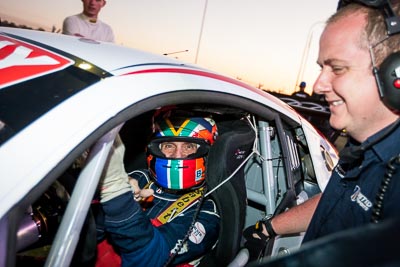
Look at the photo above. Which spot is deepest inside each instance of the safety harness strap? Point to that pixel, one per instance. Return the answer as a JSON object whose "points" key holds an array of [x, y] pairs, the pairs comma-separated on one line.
{"points": [[177, 207]]}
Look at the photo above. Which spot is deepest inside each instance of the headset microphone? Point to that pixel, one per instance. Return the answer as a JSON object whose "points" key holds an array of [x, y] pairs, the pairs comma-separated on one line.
{"points": [[354, 153]]}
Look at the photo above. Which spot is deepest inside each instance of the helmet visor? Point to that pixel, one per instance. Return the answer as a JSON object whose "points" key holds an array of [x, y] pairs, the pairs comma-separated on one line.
{"points": [[178, 147]]}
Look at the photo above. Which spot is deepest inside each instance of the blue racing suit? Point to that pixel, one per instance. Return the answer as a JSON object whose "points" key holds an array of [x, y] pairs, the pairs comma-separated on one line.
{"points": [[143, 244]]}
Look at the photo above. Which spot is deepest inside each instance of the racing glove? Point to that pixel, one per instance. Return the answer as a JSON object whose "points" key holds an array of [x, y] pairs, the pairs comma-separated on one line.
{"points": [[259, 245], [114, 180]]}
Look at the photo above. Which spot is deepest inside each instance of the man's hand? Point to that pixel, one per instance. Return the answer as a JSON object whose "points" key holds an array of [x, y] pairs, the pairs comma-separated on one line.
{"points": [[139, 193]]}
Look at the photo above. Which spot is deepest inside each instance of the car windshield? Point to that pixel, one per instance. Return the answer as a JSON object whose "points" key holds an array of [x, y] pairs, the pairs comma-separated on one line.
{"points": [[24, 102]]}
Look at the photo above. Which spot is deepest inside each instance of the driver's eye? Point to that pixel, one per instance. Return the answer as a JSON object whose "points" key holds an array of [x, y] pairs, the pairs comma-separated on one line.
{"points": [[178, 149], [189, 147], [168, 147]]}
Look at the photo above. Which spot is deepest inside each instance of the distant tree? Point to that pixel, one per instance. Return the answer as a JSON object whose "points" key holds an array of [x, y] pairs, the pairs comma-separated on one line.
{"points": [[14, 25], [54, 29]]}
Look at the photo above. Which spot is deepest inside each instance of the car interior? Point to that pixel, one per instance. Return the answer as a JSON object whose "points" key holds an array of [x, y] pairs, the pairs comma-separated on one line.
{"points": [[258, 166]]}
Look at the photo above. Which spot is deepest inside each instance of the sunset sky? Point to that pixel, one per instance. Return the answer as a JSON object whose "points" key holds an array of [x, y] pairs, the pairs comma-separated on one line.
{"points": [[259, 41]]}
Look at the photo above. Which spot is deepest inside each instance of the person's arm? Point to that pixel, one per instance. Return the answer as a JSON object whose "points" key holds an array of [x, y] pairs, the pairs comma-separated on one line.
{"points": [[110, 35], [129, 228], [70, 27], [132, 233], [296, 219]]}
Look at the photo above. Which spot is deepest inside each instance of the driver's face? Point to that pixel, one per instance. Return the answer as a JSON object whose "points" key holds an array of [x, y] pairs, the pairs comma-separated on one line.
{"points": [[178, 149]]}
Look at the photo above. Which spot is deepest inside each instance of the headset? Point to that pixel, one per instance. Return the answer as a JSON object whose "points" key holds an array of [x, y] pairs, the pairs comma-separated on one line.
{"points": [[387, 76]]}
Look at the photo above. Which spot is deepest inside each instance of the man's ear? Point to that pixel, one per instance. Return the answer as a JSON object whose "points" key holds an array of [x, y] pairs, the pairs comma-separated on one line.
{"points": [[104, 3]]}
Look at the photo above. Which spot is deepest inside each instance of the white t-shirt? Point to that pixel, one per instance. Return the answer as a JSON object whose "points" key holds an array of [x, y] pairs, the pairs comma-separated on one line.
{"points": [[82, 26]]}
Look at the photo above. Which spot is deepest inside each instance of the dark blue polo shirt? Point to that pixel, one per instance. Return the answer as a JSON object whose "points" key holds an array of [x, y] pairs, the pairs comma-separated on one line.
{"points": [[350, 194]]}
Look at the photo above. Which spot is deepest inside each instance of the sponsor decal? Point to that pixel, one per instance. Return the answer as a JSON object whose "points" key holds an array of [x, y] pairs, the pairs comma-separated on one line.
{"points": [[198, 233], [240, 154], [199, 174], [179, 206], [21, 61], [360, 199], [159, 191]]}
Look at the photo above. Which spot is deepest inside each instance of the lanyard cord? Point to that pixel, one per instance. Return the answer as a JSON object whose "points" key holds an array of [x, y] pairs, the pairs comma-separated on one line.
{"points": [[179, 244], [205, 194], [391, 168]]}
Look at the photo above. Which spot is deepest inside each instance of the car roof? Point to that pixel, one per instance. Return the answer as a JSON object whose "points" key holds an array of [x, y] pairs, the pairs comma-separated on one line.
{"points": [[107, 55], [102, 60], [46, 128]]}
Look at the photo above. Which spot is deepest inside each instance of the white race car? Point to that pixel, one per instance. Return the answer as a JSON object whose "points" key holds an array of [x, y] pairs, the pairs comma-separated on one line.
{"points": [[63, 96]]}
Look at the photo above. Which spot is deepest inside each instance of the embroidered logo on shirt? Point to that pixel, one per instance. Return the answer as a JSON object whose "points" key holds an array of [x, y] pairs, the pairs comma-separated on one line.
{"points": [[360, 198], [198, 233]]}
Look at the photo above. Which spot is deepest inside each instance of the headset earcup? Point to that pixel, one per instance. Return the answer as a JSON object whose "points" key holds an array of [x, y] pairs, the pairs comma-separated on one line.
{"points": [[388, 78]]}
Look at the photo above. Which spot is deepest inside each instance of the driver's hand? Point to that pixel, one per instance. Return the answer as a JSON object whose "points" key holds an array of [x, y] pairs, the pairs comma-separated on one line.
{"points": [[138, 193]]}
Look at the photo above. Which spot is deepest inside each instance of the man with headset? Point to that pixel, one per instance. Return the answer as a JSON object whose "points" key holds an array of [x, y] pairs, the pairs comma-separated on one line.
{"points": [[359, 80]]}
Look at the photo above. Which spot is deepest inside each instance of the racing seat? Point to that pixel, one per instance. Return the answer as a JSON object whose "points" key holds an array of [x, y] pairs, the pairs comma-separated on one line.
{"points": [[232, 147]]}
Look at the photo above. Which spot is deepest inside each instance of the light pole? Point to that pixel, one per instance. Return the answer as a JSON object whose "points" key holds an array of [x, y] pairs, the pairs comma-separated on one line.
{"points": [[201, 31], [304, 57]]}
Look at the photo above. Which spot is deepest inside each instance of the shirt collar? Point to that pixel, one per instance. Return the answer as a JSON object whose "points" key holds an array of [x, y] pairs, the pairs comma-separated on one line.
{"points": [[88, 19], [388, 147], [384, 150]]}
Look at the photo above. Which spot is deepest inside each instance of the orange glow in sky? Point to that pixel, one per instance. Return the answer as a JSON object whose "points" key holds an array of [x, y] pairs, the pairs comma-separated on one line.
{"points": [[261, 42]]}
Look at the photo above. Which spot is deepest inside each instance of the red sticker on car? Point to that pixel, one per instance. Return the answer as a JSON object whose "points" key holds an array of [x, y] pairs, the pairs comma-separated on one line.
{"points": [[21, 61]]}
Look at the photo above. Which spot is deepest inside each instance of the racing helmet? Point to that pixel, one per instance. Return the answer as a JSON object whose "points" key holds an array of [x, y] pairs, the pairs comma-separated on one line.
{"points": [[187, 172]]}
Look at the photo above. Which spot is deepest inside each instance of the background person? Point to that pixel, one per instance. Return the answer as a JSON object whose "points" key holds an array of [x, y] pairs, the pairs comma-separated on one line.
{"points": [[87, 24], [302, 93], [350, 88], [168, 229]]}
